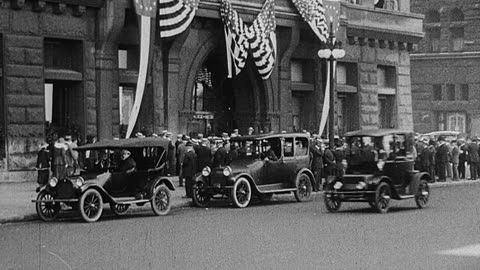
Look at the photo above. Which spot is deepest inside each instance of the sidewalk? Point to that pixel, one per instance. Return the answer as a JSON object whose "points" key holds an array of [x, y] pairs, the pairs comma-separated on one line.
{"points": [[16, 199]]}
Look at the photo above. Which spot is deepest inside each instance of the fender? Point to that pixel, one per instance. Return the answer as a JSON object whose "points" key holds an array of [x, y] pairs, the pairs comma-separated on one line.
{"points": [[100, 189], [249, 179], [417, 177], [307, 172], [163, 180]]}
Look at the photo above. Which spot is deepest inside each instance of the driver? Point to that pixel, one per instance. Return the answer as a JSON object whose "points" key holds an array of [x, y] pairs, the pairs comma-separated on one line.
{"points": [[269, 153], [127, 164]]}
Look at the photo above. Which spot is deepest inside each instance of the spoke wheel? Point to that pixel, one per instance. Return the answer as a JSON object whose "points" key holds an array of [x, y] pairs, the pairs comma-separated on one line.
{"points": [[47, 211], [241, 193], [423, 193], [119, 209], [382, 197], [331, 203], [91, 205], [161, 200], [200, 197], [304, 188]]}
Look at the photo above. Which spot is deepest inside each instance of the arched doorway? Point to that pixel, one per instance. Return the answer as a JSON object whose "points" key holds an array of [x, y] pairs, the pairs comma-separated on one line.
{"points": [[221, 104]]}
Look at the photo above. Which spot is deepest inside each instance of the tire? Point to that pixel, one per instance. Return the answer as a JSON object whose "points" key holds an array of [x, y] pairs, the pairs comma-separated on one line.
{"points": [[161, 200], [47, 211], [241, 193], [422, 195], [91, 205], [200, 197], [331, 203], [119, 209], [382, 198], [304, 188]]}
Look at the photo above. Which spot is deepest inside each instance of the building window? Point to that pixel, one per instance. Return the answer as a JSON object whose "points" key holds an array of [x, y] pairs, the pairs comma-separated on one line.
{"points": [[452, 121], [302, 71], [347, 112], [456, 15], [126, 98], [437, 92], [432, 16], [464, 92], [456, 38], [433, 39], [128, 57], [297, 105], [450, 92], [347, 74], [391, 4], [386, 80], [203, 94], [386, 104], [63, 54]]}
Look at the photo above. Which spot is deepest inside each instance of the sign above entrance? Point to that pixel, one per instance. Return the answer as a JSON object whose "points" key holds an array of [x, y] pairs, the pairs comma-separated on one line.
{"points": [[203, 115]]}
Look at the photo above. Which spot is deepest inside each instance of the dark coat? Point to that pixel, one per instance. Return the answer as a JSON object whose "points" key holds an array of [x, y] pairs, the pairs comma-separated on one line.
{"points": [[43, 166], [455, 154], [190, 164], [472, 152], [442, 154], [428, 156], [204, 157], [317, 157], [127, 165], [221, 157]]}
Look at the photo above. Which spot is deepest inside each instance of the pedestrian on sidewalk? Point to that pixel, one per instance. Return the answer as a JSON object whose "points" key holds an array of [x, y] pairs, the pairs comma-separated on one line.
{"points": [[441, 159], [462, 158], [59, 158], [189, 168], [473, 158], [43, 164], [455, 159]]}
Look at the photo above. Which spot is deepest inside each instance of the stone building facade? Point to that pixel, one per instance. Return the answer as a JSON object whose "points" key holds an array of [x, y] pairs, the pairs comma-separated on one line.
{"points": [[445, 68], [74, 65]]}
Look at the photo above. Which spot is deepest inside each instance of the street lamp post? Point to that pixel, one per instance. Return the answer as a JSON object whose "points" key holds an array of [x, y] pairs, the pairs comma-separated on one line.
{"points": [[331, 50]]}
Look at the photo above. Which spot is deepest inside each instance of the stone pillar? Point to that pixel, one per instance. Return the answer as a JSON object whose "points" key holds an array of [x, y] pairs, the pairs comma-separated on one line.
{"points": [[24, 86], [110, 22], [368, 96], [404, 93]]}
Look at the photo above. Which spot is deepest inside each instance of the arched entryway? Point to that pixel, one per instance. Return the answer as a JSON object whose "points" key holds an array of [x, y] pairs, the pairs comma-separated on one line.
{"points": [[221, 104]]}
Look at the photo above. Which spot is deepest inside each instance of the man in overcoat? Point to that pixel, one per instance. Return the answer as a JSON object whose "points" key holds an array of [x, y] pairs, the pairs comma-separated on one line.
{"points": [[473, 158], [316, 152], [442, 159], [189, 168]]}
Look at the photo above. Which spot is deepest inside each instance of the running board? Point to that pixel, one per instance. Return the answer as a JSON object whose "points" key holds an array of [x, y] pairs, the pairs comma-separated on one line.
{"points": [[403, 197], [129, 200]]}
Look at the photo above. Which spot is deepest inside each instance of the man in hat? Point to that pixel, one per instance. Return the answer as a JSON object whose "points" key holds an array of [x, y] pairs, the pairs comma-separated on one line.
{"points": [[204, 155], [189, 167], [316, 153], [139, 135], [220, 157], [177, 161], [441, 159], [181, 150], [250, 131], [455, 159], [43, 165], [462, 158], [473, 158]]}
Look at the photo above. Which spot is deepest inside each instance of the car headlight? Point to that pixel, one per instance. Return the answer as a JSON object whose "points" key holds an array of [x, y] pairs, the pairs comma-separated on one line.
{"points": [[79, 182], [361, 185], [338, 185], [227, 171], [206, 171], [53, 181]]}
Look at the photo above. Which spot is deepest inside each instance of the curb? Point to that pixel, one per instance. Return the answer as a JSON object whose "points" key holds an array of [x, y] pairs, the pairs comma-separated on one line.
{"points": [[186, 203]]}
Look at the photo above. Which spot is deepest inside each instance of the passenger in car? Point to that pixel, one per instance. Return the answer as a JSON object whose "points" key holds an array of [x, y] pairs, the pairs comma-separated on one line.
{"points": [[269, 153]]}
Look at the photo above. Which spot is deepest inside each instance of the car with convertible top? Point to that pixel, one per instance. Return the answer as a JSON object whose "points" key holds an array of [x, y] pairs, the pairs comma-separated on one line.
{"points": [[260, 165], [87, 193], [380, 167]]}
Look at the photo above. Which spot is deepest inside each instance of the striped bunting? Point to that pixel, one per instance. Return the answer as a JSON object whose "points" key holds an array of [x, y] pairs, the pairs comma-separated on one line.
{"points": [[174, 16], [313, 12]]}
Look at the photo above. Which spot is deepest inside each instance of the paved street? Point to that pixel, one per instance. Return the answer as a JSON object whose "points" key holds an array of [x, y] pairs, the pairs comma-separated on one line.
{"points": [[282, 234]]}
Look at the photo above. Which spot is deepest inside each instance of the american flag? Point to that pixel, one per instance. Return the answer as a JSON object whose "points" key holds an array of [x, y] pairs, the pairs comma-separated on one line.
{"points": [[332, 13], [146, 7], [174, 16], [235, 38], [313, 12], [263, 40]]}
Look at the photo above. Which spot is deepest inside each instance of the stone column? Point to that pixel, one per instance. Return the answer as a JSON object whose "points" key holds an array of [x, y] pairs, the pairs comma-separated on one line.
{"points": [[404, 93]]}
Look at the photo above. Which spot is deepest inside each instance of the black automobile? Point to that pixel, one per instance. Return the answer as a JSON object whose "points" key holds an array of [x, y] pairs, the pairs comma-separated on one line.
{"points": [[261, 165], [380, 167], [87, 192]]}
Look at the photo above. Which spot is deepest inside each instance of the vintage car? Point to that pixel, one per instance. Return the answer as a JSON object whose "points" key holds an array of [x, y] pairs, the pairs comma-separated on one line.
{"points": [[447, 135], [379, 168], [261, 165], [87, 193]]}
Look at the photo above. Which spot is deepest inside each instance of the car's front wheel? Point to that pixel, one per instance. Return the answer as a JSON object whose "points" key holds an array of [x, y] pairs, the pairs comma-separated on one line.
{"points": [[382, 198], [47, 211], [91, 205], [200, 197], [331, 202], [119, 209], [241, 193], [161, 200], [422, 195], [304, 188]]}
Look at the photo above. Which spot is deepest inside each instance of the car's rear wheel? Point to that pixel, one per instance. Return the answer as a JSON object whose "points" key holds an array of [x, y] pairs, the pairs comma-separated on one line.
{"points": [[422, 195], [200, 197], [304, 188], [382, 197], [161, 200], [241, 193], [331, 202], [119, 209], [91, 205], [47, 211]]}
